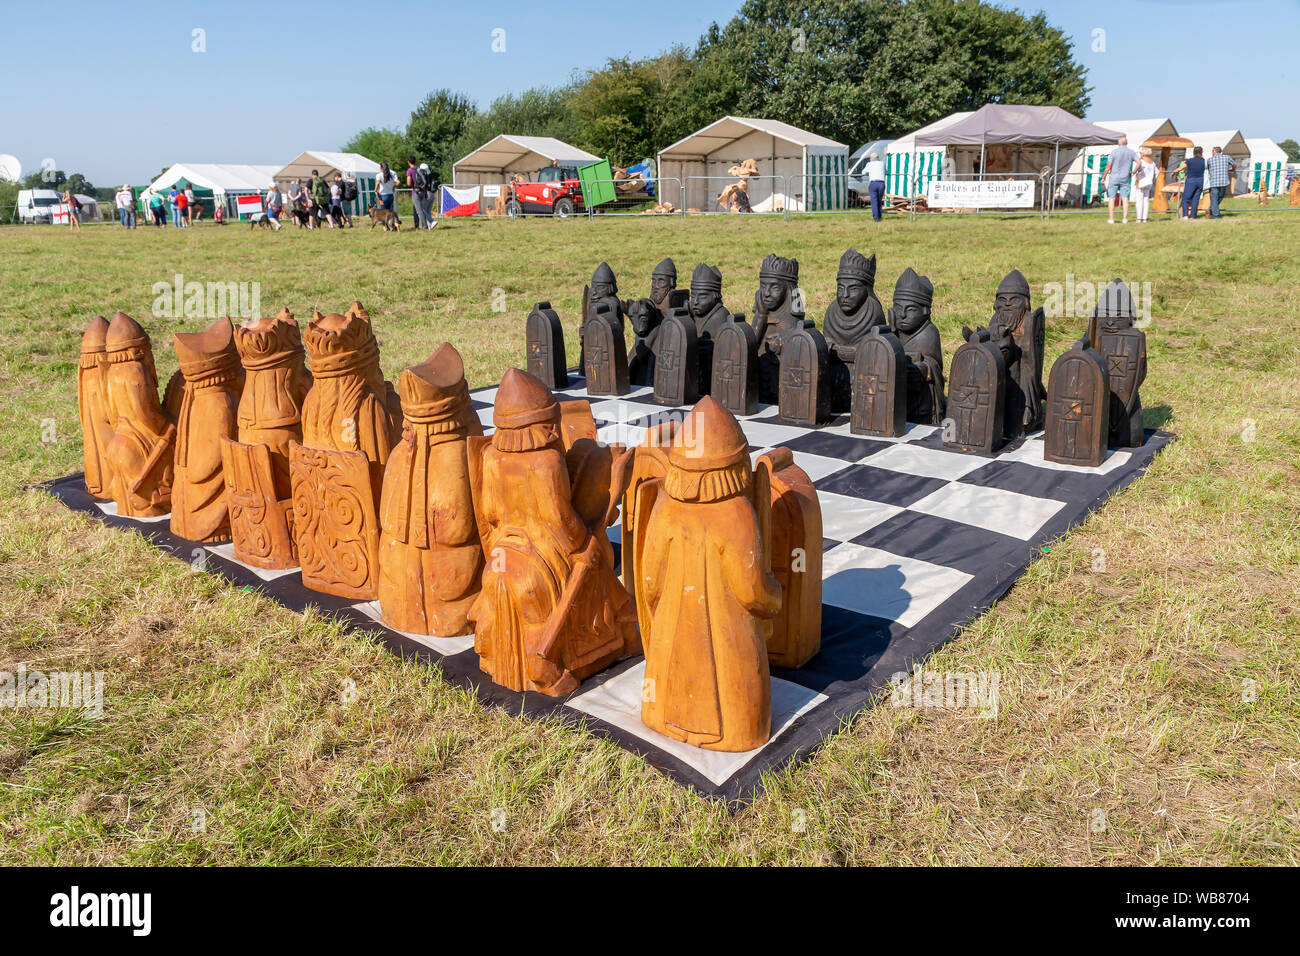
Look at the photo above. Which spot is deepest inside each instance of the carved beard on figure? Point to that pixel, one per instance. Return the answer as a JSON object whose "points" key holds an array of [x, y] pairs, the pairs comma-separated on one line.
{"points": [[660, 286], [1009, 312]]}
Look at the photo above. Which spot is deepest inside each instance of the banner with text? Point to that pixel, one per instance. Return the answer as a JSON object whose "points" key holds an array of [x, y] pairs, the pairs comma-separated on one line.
{"points": [[974, 194]]}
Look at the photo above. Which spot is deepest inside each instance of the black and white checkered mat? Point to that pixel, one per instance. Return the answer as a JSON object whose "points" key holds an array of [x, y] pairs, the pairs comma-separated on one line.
{"points": [[918, 542]]}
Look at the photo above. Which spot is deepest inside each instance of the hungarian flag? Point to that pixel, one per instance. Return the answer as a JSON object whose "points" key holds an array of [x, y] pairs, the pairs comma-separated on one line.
{"points": [[247, 205], [460, 202]]}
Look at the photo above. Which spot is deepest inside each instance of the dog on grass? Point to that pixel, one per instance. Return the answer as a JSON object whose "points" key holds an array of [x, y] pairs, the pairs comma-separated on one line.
{"points": [[378, 215], [259, 220], [306, 218]]}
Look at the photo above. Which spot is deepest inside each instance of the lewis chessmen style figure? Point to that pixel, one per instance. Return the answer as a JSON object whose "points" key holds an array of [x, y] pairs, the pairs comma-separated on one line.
{"points": [[141, 452], [647, 320], [550, 612], [209, 414], [1123, 346], [710, 316], [709, 593], [909, 320], [663, 280], [256, 467], [778, 315], [854, 312], [92, 404], [430, 559], [1013, 319], [602, 291]]}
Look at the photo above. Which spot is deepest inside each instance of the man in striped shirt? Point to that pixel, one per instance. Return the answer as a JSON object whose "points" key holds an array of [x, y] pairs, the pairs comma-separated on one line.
{"points": [[1218, 177]]}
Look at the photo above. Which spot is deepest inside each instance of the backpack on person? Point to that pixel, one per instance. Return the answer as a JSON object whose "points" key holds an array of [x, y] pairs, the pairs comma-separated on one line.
{"points": [[424, 180], [348, 190]]}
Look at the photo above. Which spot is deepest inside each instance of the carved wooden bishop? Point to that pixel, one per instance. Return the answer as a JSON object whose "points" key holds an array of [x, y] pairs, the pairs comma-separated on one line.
{"points": [[258, 485], [706, 588], [141, 452], [796, 550], [209, 415], [550, 611], [677, 371], [430, 559], [1078, 408], [606, 354], [976, 396], [879, 386], [350, 423], [805, 389], [545, 335], [735, 368], [92, 404]]}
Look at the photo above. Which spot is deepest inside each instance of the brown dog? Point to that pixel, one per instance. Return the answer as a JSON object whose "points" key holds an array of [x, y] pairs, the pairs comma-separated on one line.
{"points": [[378, 214]]}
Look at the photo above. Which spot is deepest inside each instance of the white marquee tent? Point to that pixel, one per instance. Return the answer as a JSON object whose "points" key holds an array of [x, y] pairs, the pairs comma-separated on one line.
{"points": [[1268, 161], [1085, 172], [351, 165], [1234, 144], [502, 156], [798, 170], [223, 181]]}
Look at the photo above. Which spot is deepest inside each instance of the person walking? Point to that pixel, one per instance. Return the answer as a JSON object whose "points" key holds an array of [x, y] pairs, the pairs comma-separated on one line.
{"points": [[1218, 177], [1193, 170], [320, 196], [157, 206], [192, 208], [422, 197], [385, 184], [274, 202], [74, 210], [412, 173], [125, 214], [1119, 171], [297, 195], [876, 185], [336, 201], [1144, 184]]}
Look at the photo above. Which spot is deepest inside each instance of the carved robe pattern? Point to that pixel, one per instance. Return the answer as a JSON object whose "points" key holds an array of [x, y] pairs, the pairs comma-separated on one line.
{"points": [[92, 404], [140, 453]]}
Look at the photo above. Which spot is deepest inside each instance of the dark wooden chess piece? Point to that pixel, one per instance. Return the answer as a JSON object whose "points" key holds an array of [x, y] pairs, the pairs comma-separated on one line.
{"points": [[209, 415], [1123, 346], [735, 368], [663, 280], [259, 489], [1027, 330], [879, 386], [545, 337], [430, 558], [606, 354], [647, 321], [804, 397], [703, 555], [853, 313], [977, 393], [710, 316], [677, 370], [778, 314], [141, 452], [92, 405], [1078, 408], [602, 291], [909, 319], [550, 611], [796, 552]]}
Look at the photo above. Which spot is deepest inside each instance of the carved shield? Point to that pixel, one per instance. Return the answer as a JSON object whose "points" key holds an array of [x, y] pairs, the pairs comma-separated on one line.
{"points": [[1125, 356], [261, 527], [803, 394], [677, 374], [879, 386], [976, 396], [606, 354], [796, 560], [735, 368], [545, 337], [334, 521], [1078, 409]]}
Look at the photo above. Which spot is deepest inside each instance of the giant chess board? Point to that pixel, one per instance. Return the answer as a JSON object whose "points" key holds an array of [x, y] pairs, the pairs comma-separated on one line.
{"points": [[918, 542]]}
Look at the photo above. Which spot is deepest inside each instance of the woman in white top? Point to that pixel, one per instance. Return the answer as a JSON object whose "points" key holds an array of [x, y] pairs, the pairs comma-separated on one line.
{"points": [[1144, 183], [385, 183]]}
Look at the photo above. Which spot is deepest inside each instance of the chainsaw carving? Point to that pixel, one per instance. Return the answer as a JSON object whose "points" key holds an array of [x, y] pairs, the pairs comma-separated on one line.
{"points": [[141, 451], [92, 404]]}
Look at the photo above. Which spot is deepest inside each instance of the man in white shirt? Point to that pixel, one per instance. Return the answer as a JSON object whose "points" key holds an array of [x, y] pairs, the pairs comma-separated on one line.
{"points": [[876, 184], [126, 207]]}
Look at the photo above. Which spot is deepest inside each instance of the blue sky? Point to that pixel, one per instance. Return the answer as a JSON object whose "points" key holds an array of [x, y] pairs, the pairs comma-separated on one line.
{"points": [[277, 78]]}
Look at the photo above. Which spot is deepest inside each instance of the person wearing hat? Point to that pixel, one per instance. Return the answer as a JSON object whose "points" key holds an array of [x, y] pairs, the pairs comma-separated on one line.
{"points": [[909, 319], [876, 185], [274, 202], [126, 206]]}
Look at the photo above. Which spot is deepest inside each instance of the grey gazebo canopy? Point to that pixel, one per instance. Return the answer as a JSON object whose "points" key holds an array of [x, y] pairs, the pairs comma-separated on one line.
{"points": [[997, 123]]}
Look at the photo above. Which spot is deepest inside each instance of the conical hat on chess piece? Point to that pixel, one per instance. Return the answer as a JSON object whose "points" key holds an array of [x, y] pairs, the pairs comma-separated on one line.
{"points": [[434, 392], [125, 333], [526, 414], [1014, 283], [666, 268]]}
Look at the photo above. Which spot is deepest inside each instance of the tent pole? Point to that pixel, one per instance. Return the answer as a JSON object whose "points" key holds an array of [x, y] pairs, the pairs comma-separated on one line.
{"points": [[912, 186], [980, 208]]}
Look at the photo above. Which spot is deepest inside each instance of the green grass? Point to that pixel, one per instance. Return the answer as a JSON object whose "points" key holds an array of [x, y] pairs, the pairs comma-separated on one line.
{"points": [[1121, 692]]}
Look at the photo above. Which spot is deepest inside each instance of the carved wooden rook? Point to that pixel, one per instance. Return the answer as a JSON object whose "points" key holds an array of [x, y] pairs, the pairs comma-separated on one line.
{"points": [[1078, 408], [92, 404], [209, 415], [430, 558], [879, 386], [677, 372], [606, 358], [735, 368], [976, 393], [545, 336], [1123, 346], [708, 592], [796, 552], [805, 392], [141, 452]]}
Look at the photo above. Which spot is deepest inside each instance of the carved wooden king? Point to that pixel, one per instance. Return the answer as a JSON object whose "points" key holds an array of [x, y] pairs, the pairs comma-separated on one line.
{"points": [[141, 452]]}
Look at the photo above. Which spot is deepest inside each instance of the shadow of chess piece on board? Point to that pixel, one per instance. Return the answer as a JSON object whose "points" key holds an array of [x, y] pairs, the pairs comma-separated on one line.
{"points": [[1078, 408], [351, 419], [430, 558], [677, 370], [550, 611], [92, 407], [1123, 346], [545, 341], [141, 453], [976, 394], [796, 550], [734, 381], [909, 320], [209, 416], [804, 397], [853, 313], [606, 354], [879, 386], [708, 593]]}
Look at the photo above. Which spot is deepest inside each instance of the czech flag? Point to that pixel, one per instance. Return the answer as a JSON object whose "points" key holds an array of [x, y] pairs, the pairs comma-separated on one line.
{"points": [[460, 202], [248, 205]]}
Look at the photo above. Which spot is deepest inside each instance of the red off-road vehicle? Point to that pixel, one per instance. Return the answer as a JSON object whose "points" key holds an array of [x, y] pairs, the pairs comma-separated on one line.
{"points": [[554, 191]]}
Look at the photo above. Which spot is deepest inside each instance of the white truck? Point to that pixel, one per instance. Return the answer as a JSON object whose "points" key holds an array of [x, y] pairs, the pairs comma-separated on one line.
{"points": [[37, 205]]}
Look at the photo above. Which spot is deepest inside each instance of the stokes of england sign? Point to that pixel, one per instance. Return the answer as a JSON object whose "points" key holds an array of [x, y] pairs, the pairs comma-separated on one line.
{"points": [[973, 194]]}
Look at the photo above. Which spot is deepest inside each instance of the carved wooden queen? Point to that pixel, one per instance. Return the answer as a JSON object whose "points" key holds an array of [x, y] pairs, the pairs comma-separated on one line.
{"points": [[140, 453]]}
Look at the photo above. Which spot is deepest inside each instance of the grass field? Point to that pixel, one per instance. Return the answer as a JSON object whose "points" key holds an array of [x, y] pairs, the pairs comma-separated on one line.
{"points": [[1149, 712]]}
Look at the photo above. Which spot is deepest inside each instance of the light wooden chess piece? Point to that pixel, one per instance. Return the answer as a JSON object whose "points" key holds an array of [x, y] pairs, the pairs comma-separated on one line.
{"points": [[140, 453], [92, 404]]}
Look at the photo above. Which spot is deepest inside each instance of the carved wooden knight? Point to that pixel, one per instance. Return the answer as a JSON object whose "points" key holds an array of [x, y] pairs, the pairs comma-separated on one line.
{"points": [[92, 404], [430, 558], [209, 414], [141, 452], [1123, 346], [909, 319], [646, 319], [1027, 330], [778, 314], [853, 313]]}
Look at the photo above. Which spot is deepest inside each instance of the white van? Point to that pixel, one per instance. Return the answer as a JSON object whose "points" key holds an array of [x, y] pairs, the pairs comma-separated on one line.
{"points": [[37, 205]]}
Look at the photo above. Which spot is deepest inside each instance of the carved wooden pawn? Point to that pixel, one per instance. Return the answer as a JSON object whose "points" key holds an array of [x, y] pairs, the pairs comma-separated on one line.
{"points": [[606, 354], [1078, 408], [92, 405], [804, 396], [703, 559], [976, 396], [735, 368], [796, 550], [430, 558], [1112, 332], [545, 337], [209, 415], [141, 452], [879, 386], [677, 372]]}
